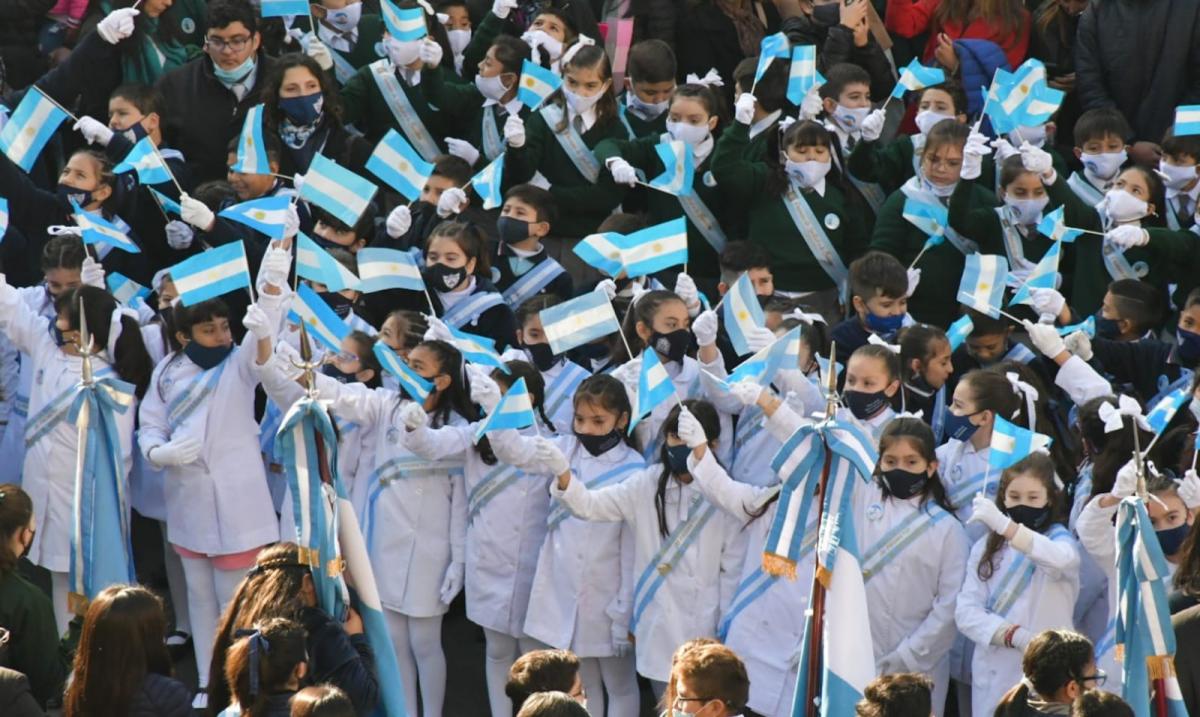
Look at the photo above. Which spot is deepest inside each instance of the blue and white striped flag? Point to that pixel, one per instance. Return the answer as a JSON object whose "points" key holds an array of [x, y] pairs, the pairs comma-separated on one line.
{"points": [[30, 127], [537, 83], [147, 162], [679, 168], [265, 214], [579, 321], [336, 189], [803, 74], [211, 273], [98, 230], [358, 323], [282, 8], [916, 76], [1087, 326], [761, 368], [1054, 227], [415, 386], [322, 322], [477, 349], [602, 252], [167, 204], [316, 264], [404, 24], [1166, 408], [654, 387], [741, 313], [515, 410], [3, 217], [382, 269], [1025, 79], [1043, 276], [656, 248], [1011, 443], [251, 149], [399, 165], [487, 183], [1187, 120], [124, 289], [959, 331], [771, 47], [1043, 102], [929, 217], [982, 285]]}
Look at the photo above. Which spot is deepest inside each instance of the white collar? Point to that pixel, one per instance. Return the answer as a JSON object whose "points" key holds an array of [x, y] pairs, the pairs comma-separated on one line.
{"points": [[411, 77], [588, 116], [513, 107], [1102, 184], [760, 126], [526, 253], [337, 40], [701, 151], [1192, 193], [819, 187]]}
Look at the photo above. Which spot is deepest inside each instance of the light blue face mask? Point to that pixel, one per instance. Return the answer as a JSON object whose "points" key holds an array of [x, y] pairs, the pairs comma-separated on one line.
{"points": [[229, 78]]}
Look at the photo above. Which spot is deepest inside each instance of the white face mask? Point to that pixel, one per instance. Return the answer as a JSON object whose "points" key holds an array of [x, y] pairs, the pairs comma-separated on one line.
{"points": [[345, 19], [1033, 135], [693, 134], [1176, 177], [547, 43], [491, 87], [1027, 211], [926, 119], [850, 118], [939, 190], [642, 109], [1105, 166], [402, 53], [1120, 206], [807, 174], [580, 104], [458, 40]]}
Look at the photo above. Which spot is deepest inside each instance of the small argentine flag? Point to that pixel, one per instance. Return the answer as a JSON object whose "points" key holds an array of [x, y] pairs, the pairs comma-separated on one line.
{"points": [[281, 8], [654, 387], [982, 285], [656, 248], [916, 76], [679, 168], [515, 410], [928, 217], [1011, 443], [537, 83], [168, 204], [336, 189], [146, 161], [29, 128], [415, 386], [992, 102], [322, 322], [397, 163], [772, 46], [477, 349], [959, 331], [803, 75], [741, 313], [316, 264], [1187, 120], [1087, 326], [382, 269], [404, 24], [252, 150], [1054, 227], [1024, 80], [98, 230], [762, 366], [211, 273], [579, 321], [124, 289], [1043, 102], [3, 217], [1043, 276], [487, 183], [602, 251], [265, 214], [1167, 407]]}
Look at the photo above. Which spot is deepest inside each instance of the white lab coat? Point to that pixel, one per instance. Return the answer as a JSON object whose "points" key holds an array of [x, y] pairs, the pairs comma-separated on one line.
{"points": [[503, 538], [1048, 602], [696, 591], [147, 494], [12, 446], [963, 468], [687, 380], [560, 409], [49, 467]]}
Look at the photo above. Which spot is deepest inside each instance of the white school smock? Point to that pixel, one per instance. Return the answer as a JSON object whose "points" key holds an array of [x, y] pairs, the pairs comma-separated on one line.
{"points": [[583, 586], [686, 377], [147, 494], [504, 537], [962, 468], [49, 468], [563, 415], [12, 446], [416, 521], [697, 589], [1048, 602]]}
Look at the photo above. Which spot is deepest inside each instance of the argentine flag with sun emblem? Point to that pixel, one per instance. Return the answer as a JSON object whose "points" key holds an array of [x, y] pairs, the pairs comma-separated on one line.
{"points": [[211, 273], [265, 214], [679, 168], [537, 83], [982, 286], [741, 313]]}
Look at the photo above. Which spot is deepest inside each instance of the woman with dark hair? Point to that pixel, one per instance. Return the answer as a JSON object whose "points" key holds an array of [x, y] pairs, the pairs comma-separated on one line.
{"points": [[1058, 666], [719, 33]]}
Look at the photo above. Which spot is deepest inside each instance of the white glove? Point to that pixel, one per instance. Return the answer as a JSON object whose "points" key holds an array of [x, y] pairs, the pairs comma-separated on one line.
{"points": [[275, 266], [547, 454], [1127, 236], [1189, 490], [811, 105], [705, 328], [452, 201], [1126, 483], [462, 148], [689, 430], [196, 213], [398, 221], [178, 452], [621, 644], [746, 391], [437, 329], [484, 390], [501, 8], [685, 288], [298, 182], [609, 287], [514, 131], [872, 125], [1047, 301], [1004, 149], [1036, 159], [1045, 338], [413, 416], [94, 131], [890, 664], [1079, 344], [117, 25], [628, 372], [145, 313], [291, 221], [914, 279], [985, 511], [453, 582], [973, 154], [431, 53], [319, 53], [179, 235], [257, 323], [743, 109], [91, 273], [759, 338], [622, 172]]}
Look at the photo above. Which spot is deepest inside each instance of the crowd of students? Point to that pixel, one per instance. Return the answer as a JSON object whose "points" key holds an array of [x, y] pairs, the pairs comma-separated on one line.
{"points": [[624, 544]]}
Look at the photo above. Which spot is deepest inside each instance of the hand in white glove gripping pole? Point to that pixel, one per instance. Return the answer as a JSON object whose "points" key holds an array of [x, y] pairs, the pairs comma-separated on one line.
{"points": [[94, 131], [1047, 302], [462, 148], [685, 288], [196, 213], [1045, 338], [117, 25], [743, 109], [872, 125], [1126, 483], [622, 172], [178, 452], [179, 235], [985, 511], [689, 430], [91, 273], [514, 131], [452, 201], [746, 391], [319, 53], [485, 391], [1189, 489], [257, 323], [399, 220], [705, 328]]}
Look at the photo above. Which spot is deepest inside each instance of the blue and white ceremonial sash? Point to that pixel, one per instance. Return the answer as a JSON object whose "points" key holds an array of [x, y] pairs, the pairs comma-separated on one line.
{"points": [[493, 145], [20, 406], [894, 542], [470, 308], [1012, 584], [397, 469], [939, 415], [570, 141], [1084, 189], [54, 412], [912, 188], [1173, 215], [815, 237], [757, 583], [704, 220], [960, 494], [749, 423], [344, 427], [1012, 239], [407, 119], [1164, 387], [1107, 643], [559, 511], [197, 392], [1118, 266], [668, 556], [870, 191], [1020, 353], [342, 69], [492, 485], [532, 282], [267, 428], [562, 388], [621, 112]]}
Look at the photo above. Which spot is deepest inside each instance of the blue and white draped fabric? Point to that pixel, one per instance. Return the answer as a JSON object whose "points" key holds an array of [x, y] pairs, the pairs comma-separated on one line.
{"points": [[939, 415], [492, 484], [559, 511], [562, 388], [572, 144], [704, 220], [815, 237], [471, 308], [268, 427], [749, 423], [913, 189], [493, 143], [195, 395], [1084, 189], [406, 117], [54, 412], [532, 282], [1012, 584], [757, 583], [1118, 266], [870, 191], [397, 469], [893, 543], [668, 556]]}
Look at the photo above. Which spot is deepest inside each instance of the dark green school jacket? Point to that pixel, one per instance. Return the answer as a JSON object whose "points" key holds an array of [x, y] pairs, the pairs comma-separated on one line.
{"points": [[463, 100], [34, 647], [368, 48], [482, 38], [888, 164], [364, 107], [795, 268], [661, 207], [936, 299]]}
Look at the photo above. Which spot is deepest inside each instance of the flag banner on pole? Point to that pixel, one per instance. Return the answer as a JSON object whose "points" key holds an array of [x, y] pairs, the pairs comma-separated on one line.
{"points": [[959, 331], [741, 313], [579, 321], [679, 168], [916, 76], [251, 149], [771, 47], [382, 269], [602, 252], [1166, 408], [656, 248], [1087, 326], [1011, 443], [322, 323], [1043, 276], [265, 214], [1054, 227], [399, 165], [168, 204], [415, 386], [477, 349], [487, 183], [1187, 120], [403, 24], [124, 289], [982, 285], [316, 264], [654, 387], [3, 217], [336, 189], [515, 410], [803, 75], [147, 162], [211, 273], [29, 128], [283, 8], [537, 83]]}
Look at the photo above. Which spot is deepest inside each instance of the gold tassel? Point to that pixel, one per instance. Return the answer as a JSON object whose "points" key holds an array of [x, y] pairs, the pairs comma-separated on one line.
{"points": [[824, 576], [335, 567], [1120, 652], [1160, 667], [779, 566], [77, 603]]}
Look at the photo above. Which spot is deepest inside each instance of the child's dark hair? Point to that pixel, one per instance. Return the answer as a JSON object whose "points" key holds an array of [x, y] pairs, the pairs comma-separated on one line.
{"points": [[457, 397], [1108, 451], [991, 391], [223, 13], [65, 251], [16, 510], [271, 145], [145, 98], [920, 436], [470, 239], [456, 169], [1053, 660], [533, 306], [984, 325], [411, 324], [918, 343], [331, 101], [957, 96], [1044, 420], [1187, 574], [218, 193], [705, 95], [890, 359], [1138, 302], [321, 701], [739, 257], [586, 58], [1187, 145], [877, 273], [814, 336], [643, 310], [1041, 467], [363, 229], [181, 320], [841, 76], [540, 199], [650, 61], [945, 134], [104, 174], [367, 357], [272, 649], [1099, 123], [771, 88], [1012, 169], [1098, 703], [605, 392], [131, 362], [709, 421], [902, 694], [804, 133], [510, 52]]}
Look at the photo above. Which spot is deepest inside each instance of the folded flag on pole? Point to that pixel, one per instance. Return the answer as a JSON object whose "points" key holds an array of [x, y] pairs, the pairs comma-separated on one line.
{"points": [[282, 8], [477, 349], [3, 217], [654, 387], [322, 322], [602, 252], [1043, 276], [29, 128], [761, 368], [928, 217], [1187, 120], [579, 321], [537, 83], [167, 204], [382, 269], [415, 386], [98, 230], [316, 264], [1087, 326], [982, 286], [656, 248], [487, 183], [265, 214], [1011, 443], [404, 24], [124, 289], [803, 74], [147, 162], [1054, 227], [1167, 407], [916, 76], [772, 46], [211, 273], [336, 189], [251, 149], [959, 331], [741, 313], [399, 165], [515, 410], [679, 168]]}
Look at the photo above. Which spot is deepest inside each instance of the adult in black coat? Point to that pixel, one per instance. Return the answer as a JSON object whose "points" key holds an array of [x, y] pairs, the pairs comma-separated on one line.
{"points": [[837, 42], [708, 36], [15, 698], [19, 23], [1187, 656]]}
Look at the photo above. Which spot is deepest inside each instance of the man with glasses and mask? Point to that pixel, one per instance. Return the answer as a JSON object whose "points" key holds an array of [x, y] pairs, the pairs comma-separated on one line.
{"points": [[206, 100]]}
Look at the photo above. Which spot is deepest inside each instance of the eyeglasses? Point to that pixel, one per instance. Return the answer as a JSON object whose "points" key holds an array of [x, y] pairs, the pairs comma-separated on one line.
{"points": [[681, 702], [236, 44], [1099, 678], [345, 357]]}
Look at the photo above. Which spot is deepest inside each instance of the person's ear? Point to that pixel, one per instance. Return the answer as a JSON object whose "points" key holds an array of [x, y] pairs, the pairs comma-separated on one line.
{"points": [[257, 42], [914, 366], [932, 468], [358, 244], [960, 118], [1125, 326], [860, 306], [317, 11], [892, 388], [441, 382], [182, 338], [644, 332], [829, 104], [623, 420], [365, 375], [470, 266], [628, 84], [1078, 153], [274, 164], [102, 193], [712, 122], [722, 288], [539, 229], [1151, 210], [151, 121], [300, 671]]}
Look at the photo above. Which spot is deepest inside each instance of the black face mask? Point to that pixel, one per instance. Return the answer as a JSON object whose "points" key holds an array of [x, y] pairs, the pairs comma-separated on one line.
{"points": [[1028, 516], [594, 351], [865, 405], [599, 445], [673, 345], [338, 375], [677, 459], [903, 484], [82, 197], [206, 357], [512, 230], [340, 304], [440, 277], [542, 356]]}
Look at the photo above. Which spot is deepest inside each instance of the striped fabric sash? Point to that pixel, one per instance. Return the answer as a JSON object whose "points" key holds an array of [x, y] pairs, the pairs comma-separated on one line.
{"points": [[20, 406], [894, 542], [396, 469], [939, 415], [492, 484], [815, 237], [559, 511], [960, 494], [532, 282], [668, 556], [749, 423], [757, 583], [269, 426], [470, 308], [194, 396], [1012, 585], [574, 146], [492, 144], [873, 193], [912, 188], [704, 220], [562, 388], [622, 113], [1012, 240], [1084, 189], [54, 412], [1118, 266], [407, 119]]}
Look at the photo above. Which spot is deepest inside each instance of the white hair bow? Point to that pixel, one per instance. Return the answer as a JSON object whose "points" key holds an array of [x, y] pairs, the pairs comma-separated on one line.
{"points": [[712, 79], [1126, 406], [443, 18], [874, 340], [802, 317], [114, 328], [580, 42], [918, 414], [427, 7], [58, 230], [784, 123], [1029, 392]]}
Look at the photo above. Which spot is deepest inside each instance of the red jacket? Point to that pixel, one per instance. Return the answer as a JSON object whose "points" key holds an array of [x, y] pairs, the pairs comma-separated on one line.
{"points": [[909, 19]]}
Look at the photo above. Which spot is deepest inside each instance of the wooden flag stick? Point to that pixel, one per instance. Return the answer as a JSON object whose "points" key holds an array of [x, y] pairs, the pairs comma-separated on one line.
{"points": [[56, 104]]}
